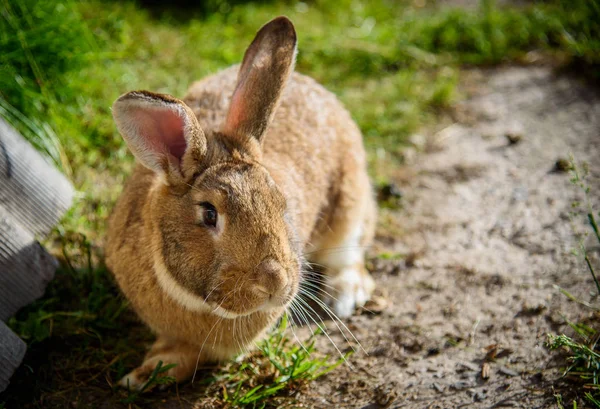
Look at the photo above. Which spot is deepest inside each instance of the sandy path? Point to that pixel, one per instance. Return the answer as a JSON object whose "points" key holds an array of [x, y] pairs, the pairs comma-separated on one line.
{"points": [[490, 221]]}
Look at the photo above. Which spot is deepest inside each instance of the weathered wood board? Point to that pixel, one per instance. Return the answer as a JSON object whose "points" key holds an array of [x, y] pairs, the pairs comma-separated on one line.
{"points": [[33, 198], [34, 193], [25, 267], [12, 351]]}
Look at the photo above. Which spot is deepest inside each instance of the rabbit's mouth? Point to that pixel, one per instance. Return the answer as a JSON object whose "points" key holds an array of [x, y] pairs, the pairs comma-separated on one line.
{"points": [[248, 298], [277, 302]]}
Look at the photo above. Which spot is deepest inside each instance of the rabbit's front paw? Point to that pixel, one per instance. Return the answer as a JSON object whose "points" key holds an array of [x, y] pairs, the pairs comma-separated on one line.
{"points": [[177, 360], [350, 288], [140, 378]]}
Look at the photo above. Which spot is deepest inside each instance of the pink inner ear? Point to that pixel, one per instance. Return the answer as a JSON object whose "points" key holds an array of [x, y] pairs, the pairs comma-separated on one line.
{"points": [[162, 128], [236, 114]]}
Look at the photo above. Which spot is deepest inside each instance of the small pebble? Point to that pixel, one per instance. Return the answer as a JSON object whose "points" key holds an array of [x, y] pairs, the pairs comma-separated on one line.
{"points": [[389, 191], [514, 133], [563, 165], [377, 304], [513, 137], [479, 396]]}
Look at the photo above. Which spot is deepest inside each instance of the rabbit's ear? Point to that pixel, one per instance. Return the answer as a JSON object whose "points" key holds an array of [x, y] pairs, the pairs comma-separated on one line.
{"points": [[162, 132], [266, 67]]}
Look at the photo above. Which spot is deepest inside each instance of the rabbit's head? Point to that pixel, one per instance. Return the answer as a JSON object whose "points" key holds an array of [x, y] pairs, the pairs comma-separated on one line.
{"points": [[222, 240]]}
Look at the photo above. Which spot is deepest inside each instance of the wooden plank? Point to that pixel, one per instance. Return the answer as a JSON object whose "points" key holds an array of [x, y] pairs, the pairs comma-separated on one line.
{"points": [[32, 191], [25, 267], [12, 351], [33, 197]]}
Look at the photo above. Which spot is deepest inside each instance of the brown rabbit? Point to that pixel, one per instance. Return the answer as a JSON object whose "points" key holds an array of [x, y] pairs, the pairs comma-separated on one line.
{"points": [[258, 168]]}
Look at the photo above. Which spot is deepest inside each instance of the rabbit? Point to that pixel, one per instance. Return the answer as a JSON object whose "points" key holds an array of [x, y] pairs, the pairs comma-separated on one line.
{"points": [[255, 173]]}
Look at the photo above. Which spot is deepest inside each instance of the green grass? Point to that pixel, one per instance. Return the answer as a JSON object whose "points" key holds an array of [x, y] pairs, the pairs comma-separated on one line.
{"points": [[156, 379], [584, 362], [268, 378], [582, 349], [579, 179], [396, 67]]}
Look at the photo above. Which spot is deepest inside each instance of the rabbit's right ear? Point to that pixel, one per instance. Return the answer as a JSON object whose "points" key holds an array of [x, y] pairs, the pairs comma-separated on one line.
{"points": [[266, 67], [162, 132]]}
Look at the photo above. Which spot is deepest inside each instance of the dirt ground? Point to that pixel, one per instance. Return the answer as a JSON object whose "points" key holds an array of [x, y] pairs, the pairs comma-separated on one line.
{"points": [[486, 225]]}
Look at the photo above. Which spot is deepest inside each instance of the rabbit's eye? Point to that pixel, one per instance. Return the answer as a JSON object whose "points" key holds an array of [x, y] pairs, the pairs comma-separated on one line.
{"points": [[209, 214]]}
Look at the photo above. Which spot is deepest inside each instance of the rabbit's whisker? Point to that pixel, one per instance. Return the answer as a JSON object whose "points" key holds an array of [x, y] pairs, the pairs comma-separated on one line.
{"points": [[334, 318], [329, 250], [317, 287], [206, 339], [324, 331], [320, 282], [237, 341], [214, 288], [302, 314], [291, 326]]}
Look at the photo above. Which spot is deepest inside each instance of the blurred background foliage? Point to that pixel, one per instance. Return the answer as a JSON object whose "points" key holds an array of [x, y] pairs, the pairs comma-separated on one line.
{"points": [[62, 63]]}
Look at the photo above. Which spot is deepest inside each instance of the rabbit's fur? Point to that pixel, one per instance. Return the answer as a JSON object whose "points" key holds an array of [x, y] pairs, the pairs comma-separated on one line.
{"points": [[282, 163]]}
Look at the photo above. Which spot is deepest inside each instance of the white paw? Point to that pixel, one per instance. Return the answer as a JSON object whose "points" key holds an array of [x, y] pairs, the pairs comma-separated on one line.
{"points": [[132, 381], [139, 378], [349, 289]]}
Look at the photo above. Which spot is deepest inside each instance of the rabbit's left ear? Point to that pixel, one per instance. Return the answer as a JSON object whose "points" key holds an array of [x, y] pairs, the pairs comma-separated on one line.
{"points": [[266, 67], [162, 132]]}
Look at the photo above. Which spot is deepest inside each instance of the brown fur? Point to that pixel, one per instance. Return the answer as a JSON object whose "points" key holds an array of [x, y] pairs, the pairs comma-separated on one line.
{"points": [[301, 180]]}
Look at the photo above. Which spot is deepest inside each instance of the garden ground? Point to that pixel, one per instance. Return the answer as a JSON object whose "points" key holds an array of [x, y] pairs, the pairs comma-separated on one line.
{"points": [[487, 227]]}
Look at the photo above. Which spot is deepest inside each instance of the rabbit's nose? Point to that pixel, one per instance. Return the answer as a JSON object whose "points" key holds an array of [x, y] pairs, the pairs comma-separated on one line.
{"points": [[272, 277]]}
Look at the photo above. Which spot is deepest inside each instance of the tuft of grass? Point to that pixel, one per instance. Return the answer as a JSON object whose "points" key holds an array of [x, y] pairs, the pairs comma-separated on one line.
{"points": [[579, 174], [593, 399], [582, 352], [579, 32], [34, 66], [80, 335], [559, 401], [585, 363], [274, 373], [156, 379]]}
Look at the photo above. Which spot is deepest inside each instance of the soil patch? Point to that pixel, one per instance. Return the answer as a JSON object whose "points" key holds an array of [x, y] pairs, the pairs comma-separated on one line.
{"points": [[488, 214]]}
